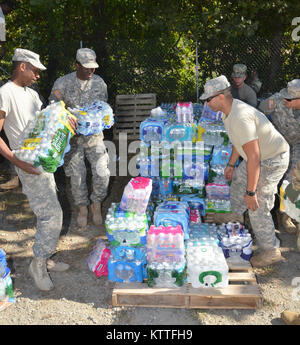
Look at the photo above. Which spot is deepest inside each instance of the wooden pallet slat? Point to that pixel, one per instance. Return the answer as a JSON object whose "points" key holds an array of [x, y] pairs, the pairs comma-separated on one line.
{"points": [[242, 292], [132, 110]]}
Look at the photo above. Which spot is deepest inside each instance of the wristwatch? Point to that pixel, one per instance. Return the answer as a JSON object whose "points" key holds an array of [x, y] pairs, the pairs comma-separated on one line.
{"points": [[250, 193]]}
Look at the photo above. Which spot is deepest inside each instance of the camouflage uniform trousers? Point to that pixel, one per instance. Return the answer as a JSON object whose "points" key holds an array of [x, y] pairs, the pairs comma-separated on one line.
{"points": [[271, 172], [41, 193], [93, 148]]}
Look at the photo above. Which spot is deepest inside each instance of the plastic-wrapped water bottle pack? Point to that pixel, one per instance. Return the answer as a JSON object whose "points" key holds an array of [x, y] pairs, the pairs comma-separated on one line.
{"points": [[236, 243], [45, 140], [93, 118], [124, 227]]}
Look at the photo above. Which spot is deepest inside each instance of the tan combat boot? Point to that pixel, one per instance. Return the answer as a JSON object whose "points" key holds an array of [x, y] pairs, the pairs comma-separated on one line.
{"points": [[57, 266], [96, 213], [287, 223], [290, 318], [82, 216], [266, 258], [38, 272], [11, 184]]}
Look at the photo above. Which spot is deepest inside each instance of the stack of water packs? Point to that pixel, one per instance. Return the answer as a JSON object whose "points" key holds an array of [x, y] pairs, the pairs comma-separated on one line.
{"points": [[45, 140], [165, 256], [93, 118]]}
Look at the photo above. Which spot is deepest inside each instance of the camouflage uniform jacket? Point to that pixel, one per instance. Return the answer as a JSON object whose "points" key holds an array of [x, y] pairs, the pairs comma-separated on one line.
{"points": [[68, 89], [285, 120]]}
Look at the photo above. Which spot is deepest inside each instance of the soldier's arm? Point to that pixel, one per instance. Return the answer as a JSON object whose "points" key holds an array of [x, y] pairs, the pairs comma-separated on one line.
{"points": [[252, 98], [285, 122], [101, 88], [57, 92], [8, 154]]}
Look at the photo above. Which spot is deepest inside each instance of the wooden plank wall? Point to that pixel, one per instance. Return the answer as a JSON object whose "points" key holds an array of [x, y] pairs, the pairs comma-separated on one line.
{"points": [[130, 111]]}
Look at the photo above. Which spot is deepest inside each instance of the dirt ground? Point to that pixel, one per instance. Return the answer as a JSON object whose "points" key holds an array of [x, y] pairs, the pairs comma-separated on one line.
{"points": [[80, 298]]}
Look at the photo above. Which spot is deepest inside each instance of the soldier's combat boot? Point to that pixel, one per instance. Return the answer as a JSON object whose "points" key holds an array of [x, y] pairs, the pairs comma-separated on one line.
{"points": [[82, 216], [287, 224], [38, 271], [11, 184], [96, 213], [290, 318], [266, 258]]}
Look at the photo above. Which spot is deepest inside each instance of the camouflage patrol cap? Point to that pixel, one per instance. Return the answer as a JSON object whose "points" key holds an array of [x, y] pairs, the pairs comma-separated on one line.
{"points": [[87, 58], [213, 86], [25, 55], [239, 70], [292, 90]]}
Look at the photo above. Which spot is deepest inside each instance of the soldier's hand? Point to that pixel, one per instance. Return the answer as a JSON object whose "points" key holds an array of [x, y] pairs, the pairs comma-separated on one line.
{"points": [[29, 168], [251, 202], [228, 173], [72, 122]]}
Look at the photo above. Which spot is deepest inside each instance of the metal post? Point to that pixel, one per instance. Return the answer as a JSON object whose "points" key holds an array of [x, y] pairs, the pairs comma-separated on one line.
{"points": [[197, 72], [80, 44]]}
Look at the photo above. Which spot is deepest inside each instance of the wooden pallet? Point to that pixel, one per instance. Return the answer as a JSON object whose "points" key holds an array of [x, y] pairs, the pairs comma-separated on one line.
{"points": [[243, 292], [130, 111], [220, 218]]}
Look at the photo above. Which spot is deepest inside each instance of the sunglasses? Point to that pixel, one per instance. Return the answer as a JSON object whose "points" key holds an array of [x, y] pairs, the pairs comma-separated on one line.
{"points": [[210, 98], [290, 100]]}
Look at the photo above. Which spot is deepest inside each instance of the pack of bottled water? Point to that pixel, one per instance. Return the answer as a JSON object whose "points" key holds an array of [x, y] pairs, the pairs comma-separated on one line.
{"points": [[136, 195], [236, 243], [206, 265], [162, 188], [149, 166], [209, 115], [216, 174], [204, 233], [98, 258], [217, 191], [93, 118], [127, 264], [179, 131], [165, 256], [197, 207], [213, 133], [45, 140], [189, 186], [170, 110], [197, 110], [152, 129], [6, 287], [166, 275], [184, 112], [221, 155], [173, 213], [217, 206], [165, 244], [124, 227]]}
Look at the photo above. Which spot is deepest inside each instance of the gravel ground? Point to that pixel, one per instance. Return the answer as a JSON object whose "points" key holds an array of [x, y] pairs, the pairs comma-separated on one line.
{"points": [[80, 298]]}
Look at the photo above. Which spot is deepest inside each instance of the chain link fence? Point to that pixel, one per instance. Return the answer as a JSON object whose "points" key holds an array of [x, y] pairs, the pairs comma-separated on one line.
{"points": [[136, 66], [176, 69]]}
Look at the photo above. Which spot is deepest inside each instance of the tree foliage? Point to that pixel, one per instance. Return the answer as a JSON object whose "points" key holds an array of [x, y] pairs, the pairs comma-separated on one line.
{"points": [[149, 45]]}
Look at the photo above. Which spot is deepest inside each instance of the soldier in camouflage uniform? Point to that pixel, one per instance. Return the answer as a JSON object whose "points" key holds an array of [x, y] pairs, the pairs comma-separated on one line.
{"points": [[283, 110], [290, 317], [265, 155], [18, 104], [80, 88], [240, 90]]}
